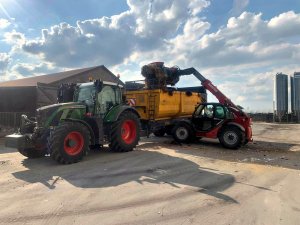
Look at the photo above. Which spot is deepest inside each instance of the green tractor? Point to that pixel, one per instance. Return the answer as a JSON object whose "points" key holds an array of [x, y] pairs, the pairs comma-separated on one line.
{"points": [[67, 131]]}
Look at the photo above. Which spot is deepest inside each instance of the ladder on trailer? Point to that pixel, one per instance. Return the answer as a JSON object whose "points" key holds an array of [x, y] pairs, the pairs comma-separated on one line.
{"points": [[152, 106]]}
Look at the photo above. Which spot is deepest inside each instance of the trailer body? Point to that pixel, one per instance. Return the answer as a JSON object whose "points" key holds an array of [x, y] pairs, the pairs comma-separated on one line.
{"points": [[159, 109]]}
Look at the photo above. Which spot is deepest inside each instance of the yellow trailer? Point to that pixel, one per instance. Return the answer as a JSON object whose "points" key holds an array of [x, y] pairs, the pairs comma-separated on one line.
{"points": [[159, 108]]}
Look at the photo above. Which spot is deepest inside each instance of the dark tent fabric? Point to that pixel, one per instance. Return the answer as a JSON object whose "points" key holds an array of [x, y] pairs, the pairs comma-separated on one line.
{"points": [[20, 99]]}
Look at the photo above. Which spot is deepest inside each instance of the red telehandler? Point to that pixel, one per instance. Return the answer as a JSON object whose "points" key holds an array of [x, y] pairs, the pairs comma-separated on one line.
{"points": [[224, 120]]}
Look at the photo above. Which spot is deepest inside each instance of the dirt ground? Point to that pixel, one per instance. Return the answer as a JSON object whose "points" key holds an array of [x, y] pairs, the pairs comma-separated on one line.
{"points": [[160, 183]]}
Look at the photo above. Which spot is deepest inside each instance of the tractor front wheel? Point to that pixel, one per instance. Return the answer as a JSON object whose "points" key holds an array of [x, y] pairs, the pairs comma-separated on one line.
{"points": [[125, 133], [69, 142], [32, 153]]}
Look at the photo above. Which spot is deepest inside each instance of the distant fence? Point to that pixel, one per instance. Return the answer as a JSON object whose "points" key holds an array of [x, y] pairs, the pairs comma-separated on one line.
{"points": [[270, 117], [11, 119], [265, 117]]}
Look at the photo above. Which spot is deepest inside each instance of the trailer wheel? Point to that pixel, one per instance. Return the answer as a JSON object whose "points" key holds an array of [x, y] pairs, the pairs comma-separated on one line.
{"points": [[69, 142], [169, 130], [125, 133], [231, 137], [183, 133], [160, 132], [31, 153]]}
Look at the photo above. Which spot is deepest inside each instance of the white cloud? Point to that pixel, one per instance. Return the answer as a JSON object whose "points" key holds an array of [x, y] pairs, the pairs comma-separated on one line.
{"points": [[245, 40], [4, 61], [4, 23], [110, 40], [14, 37], [285, 25], [28, 69], [239, 6]]}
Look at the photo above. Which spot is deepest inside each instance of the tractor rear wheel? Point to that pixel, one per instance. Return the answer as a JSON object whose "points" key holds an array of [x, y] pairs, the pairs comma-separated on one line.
{"points": [[69, 142], [231, 137], [32, 153], [183, 133], [125, 133]]}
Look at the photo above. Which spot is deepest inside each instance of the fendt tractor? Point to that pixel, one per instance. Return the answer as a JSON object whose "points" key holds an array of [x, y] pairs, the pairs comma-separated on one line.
{"points": [[66, 131], [224, 120]]}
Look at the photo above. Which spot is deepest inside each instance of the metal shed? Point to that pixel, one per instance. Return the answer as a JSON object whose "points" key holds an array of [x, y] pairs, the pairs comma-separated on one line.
{"points": [[24, 96]]}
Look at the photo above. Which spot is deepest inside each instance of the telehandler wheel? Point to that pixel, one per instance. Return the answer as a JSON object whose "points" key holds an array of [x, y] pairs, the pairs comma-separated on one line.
{"points": [[32, 153], [160, 133], [125, 133], [69, 142], [183, 133], [231, 137]]}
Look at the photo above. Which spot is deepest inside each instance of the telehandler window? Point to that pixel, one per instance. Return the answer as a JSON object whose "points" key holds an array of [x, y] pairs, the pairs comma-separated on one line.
{"points": [[219, 112], [204, 111], [208, 111]]}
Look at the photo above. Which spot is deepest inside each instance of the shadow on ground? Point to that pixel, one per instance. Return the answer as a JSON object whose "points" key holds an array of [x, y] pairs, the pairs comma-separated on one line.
{"points": [[106, 169], [273, 153]]}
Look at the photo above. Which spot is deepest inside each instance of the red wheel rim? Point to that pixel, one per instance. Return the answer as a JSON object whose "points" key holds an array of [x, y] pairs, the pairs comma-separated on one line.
{"points": [[128, 131], [73, 143]]}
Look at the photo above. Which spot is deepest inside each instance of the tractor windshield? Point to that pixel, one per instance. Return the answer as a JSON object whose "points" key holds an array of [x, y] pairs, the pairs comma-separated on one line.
{"points": [[86, 94]]}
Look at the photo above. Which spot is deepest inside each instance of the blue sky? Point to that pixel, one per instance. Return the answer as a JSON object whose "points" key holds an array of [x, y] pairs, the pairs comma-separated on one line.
{"points": [[238, 44]]}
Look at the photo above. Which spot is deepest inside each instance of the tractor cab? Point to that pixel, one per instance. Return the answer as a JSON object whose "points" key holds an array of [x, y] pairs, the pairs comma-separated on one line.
{"points": [[207, 116], [98, 96]]}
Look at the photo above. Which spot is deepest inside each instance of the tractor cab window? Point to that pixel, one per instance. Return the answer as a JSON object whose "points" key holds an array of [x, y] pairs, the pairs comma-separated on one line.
{"points": [[86, 95], [107, 98]]}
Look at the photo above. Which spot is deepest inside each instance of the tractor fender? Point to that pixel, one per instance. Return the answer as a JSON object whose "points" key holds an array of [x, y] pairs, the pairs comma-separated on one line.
{"points": [[116, 111], [93, 139], [237, 125]]}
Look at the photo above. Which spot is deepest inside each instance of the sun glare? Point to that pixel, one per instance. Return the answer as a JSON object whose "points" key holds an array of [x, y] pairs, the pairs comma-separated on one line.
{"points": [[4, 4]]}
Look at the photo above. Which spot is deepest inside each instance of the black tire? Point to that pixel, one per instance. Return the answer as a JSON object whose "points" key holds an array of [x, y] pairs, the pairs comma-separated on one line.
{"points": [[231, 137], [169, 130], [32, 153], [183, 133], [60, 148], [160, 133], [121, 142]]}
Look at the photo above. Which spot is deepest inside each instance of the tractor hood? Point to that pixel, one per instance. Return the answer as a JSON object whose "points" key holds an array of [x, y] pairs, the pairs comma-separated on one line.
{"points": [[52, 114], [59, 105]]}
